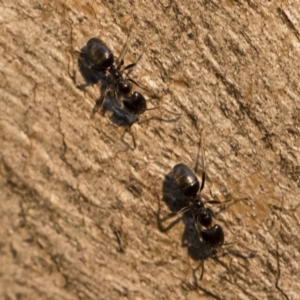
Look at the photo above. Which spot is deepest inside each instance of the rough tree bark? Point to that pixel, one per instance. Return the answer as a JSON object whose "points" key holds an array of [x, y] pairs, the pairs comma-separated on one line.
{"points": [[69, 189]]}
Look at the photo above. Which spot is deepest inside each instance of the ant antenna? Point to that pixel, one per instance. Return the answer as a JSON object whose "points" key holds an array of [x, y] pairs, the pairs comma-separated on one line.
{"points": [[201, 149], [162, 119], [130, 67], [120, 59], [161, 106]]}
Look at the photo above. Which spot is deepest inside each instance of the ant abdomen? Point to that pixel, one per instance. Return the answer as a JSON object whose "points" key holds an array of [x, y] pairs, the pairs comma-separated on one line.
{"points": [[99, 55], [186, 180]]}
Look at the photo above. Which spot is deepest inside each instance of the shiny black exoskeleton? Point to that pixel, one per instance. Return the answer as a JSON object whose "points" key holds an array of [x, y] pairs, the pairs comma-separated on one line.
{"points": [[202, 238], [98, 63], [188, 183], [101, 58], [186, 180], [98, 54], [213, 236], [136, 103]]}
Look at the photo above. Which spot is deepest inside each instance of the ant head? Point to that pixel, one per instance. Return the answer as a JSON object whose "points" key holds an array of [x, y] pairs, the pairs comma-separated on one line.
{"points": [[124, 86], [136, 104], [213, 236]]}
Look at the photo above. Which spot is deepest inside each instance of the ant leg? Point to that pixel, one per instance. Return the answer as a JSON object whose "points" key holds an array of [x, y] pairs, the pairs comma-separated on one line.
{"points": [[98, 104], [118, 235], [235, 253], [100, 101], [201, 264], [173, 214], [213, 201], [127, 129], [161, 119], [251, 255], [130, 67], [141, 86], [222, 203], [160, 106], [72, 73], [123, 52], [203, 161], [170, 226], [202, 181], [201, 149], [160, 220], [82, 63], [197, 225]]}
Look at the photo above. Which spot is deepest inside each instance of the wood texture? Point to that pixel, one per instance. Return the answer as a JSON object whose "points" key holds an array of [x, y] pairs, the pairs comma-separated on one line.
{"points": [[69, 186]]}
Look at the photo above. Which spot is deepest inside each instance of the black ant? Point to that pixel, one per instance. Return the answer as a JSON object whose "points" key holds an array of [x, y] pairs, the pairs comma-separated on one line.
{"points": [[188, 183], [100, 58], [211, 235]]}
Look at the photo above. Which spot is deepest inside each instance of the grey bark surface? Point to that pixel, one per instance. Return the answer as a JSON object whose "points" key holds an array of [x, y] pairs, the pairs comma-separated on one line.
{"points": [[70, 186]]}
